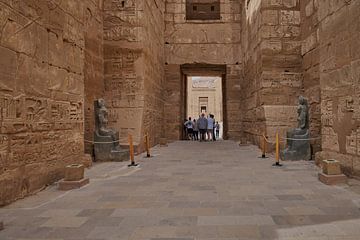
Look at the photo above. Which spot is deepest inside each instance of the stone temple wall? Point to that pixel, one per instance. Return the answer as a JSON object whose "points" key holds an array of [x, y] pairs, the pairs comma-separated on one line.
{"points": [[204, 42], [273, 66], [311, 64], [339, 34], [42, 45], [94, 67], [133, 58]]}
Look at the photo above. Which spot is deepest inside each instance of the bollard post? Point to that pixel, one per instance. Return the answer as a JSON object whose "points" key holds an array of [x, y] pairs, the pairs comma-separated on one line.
{"points": [[277, 156], [264, 147], [147, 145], [131, 149]]}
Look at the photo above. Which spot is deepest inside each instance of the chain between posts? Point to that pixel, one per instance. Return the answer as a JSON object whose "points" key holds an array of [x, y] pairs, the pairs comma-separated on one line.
{"points": [[89, 141]]}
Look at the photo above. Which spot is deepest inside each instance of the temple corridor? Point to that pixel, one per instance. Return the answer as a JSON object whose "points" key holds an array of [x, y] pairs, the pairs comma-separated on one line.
{"points": [[191, 190]]}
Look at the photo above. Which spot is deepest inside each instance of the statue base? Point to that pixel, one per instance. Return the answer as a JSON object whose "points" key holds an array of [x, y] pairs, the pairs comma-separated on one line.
{"points": [[105, 151], [332, 179], [298, 146], [65, 185]]}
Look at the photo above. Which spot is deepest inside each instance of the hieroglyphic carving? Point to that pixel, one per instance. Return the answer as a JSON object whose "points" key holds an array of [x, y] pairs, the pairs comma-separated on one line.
{"points": [[117, 33], [327, 113], [35, 109], [11, 107]]}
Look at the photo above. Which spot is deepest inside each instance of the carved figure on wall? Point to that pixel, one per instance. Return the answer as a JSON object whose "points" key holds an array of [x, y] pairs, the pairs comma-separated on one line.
{"points": [[106, 146], [298, 144]]}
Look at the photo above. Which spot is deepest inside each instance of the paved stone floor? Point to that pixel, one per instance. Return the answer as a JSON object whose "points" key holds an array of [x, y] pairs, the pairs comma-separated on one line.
{"points": [[191, 191]]}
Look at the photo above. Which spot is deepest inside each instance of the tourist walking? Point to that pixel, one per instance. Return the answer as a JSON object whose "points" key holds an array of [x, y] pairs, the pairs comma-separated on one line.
{"points": [[195, 130], [217, 127], [189, 127], [202, 125], [210, 127]]}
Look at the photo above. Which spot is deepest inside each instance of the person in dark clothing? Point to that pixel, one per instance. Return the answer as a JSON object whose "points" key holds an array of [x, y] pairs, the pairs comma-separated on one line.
{"points": [[213, 134], [189, 126], [202, 124], [195, 130]]}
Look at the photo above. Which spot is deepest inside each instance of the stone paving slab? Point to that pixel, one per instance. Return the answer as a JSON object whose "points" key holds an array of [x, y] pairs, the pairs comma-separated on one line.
{"points": [[191, 191]]}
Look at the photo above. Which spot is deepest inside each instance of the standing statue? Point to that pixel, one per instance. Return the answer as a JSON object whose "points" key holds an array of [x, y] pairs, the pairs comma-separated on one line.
{"points": [[298, 139], [106, 146]]}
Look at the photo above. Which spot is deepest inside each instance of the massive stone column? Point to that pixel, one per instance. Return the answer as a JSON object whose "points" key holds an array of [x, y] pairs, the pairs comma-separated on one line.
{"points": [[273, 66], [134, 67]]}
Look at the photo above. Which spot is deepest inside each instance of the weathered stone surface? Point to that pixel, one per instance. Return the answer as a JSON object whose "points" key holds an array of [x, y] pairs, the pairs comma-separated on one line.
{"points": [[331, 167], [134, 67], [74, 172], [42, 52], [339, 82], [65, 185], [271, 46], [332, 179]]}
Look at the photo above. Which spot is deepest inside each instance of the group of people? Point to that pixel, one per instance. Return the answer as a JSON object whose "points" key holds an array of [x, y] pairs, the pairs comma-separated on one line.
{"points": [[203, 129]]}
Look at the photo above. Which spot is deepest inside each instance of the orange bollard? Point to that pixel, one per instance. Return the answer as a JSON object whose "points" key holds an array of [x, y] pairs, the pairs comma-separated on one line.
{"points": [[264, 147], [147, 145], [277, 156], [131, 149]]}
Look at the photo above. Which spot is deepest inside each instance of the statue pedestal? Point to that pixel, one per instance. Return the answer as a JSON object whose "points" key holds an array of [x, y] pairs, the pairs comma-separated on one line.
{"points": [[298, 146], [69, 185], [332, 179], [105, 151], [331, 173], [74, 178]]}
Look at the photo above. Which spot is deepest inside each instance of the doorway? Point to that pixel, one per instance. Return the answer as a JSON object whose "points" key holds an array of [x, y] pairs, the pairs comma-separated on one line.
{"points": [[203, 91], [204, 96]]}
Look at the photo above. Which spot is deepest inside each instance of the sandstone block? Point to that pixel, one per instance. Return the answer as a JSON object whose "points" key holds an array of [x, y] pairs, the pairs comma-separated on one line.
{"points": [[331, 167], [163, 142], [332, 179], [69, 185], [74, 172]]}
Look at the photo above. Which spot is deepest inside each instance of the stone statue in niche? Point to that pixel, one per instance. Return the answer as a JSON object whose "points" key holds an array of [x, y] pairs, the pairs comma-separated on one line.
{"points": [[106, 140], [298, 139]]}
